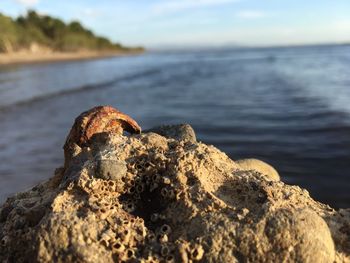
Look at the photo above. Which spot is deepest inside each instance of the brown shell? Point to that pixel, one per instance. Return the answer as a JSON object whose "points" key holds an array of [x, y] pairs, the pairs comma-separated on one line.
{"points": [[97, 120]]}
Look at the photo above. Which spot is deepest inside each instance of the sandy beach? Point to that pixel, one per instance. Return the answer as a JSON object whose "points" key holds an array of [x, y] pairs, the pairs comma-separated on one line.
{"points": [[30, 57]]}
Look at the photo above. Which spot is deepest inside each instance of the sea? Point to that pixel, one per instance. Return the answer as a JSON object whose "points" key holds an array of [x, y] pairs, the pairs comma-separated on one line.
{"points": [[288, 106]]}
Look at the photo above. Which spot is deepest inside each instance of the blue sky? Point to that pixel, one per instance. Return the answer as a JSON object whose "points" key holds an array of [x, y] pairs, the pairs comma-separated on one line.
{"points": [[156, 23]]}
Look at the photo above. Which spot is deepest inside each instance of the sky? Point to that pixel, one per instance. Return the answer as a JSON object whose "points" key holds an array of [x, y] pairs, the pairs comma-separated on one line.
{"points": [[176, 23]]}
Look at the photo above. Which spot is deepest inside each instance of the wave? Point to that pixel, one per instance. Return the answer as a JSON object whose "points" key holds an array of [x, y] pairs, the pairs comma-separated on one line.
{"points": [[82, 88]]}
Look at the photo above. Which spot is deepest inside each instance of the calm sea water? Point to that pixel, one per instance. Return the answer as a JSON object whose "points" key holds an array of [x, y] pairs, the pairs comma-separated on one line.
{"points": [[287, 106]]}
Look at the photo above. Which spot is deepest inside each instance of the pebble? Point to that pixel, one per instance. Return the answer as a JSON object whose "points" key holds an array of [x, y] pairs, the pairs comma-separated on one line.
{"points": [[110, 169], [180, 132]]}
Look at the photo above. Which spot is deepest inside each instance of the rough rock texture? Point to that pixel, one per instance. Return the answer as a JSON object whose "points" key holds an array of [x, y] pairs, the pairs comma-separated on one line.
{"points": [[147, 198]]}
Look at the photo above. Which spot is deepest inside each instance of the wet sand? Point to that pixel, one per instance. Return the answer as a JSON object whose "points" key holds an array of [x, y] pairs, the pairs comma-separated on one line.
{"points": [[28, 57]]}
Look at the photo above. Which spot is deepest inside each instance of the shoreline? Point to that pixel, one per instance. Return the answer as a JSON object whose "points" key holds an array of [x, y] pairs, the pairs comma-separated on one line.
{"points": [[19, 58]]}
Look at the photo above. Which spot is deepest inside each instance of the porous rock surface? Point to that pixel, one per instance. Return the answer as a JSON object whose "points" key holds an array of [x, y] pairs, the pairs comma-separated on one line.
{"points": [[148, 198]]}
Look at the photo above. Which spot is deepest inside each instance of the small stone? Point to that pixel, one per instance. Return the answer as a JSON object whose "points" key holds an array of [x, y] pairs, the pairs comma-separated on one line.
{"points": [[180, 132], [110, 169], [304, 228], [264, 168]]}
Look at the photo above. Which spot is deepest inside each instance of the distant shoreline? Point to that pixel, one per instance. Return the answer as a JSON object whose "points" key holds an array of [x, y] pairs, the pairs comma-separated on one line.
{"points": [[17, 58]]}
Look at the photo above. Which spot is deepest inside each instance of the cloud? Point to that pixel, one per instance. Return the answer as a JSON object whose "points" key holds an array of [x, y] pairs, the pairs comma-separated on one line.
{"points": [[178, 5], [251, 14], [28, 2]]}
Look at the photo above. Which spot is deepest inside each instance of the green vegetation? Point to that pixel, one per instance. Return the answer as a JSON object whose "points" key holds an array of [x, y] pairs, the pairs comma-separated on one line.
{"points": [[51, 33]]}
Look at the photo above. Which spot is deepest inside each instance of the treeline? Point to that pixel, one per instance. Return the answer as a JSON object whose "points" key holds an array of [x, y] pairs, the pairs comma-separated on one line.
{"points": [[45, 31]]}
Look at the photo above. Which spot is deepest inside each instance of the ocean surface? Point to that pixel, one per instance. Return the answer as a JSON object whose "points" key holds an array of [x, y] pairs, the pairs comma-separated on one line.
{"points": [[287, 106]]}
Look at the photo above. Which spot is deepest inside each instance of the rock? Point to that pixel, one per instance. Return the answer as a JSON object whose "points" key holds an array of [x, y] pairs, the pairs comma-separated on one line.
{"points": [[178, 132], [304, 228], [110, 169], [147, 198], [264, 168]]}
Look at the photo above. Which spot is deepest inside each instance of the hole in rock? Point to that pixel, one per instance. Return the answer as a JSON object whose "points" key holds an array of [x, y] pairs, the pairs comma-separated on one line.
{"points": [[146, 204]]}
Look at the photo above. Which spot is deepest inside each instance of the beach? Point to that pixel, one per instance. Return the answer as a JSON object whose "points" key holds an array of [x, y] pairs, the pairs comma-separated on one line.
{"points": [[24, 57]]}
